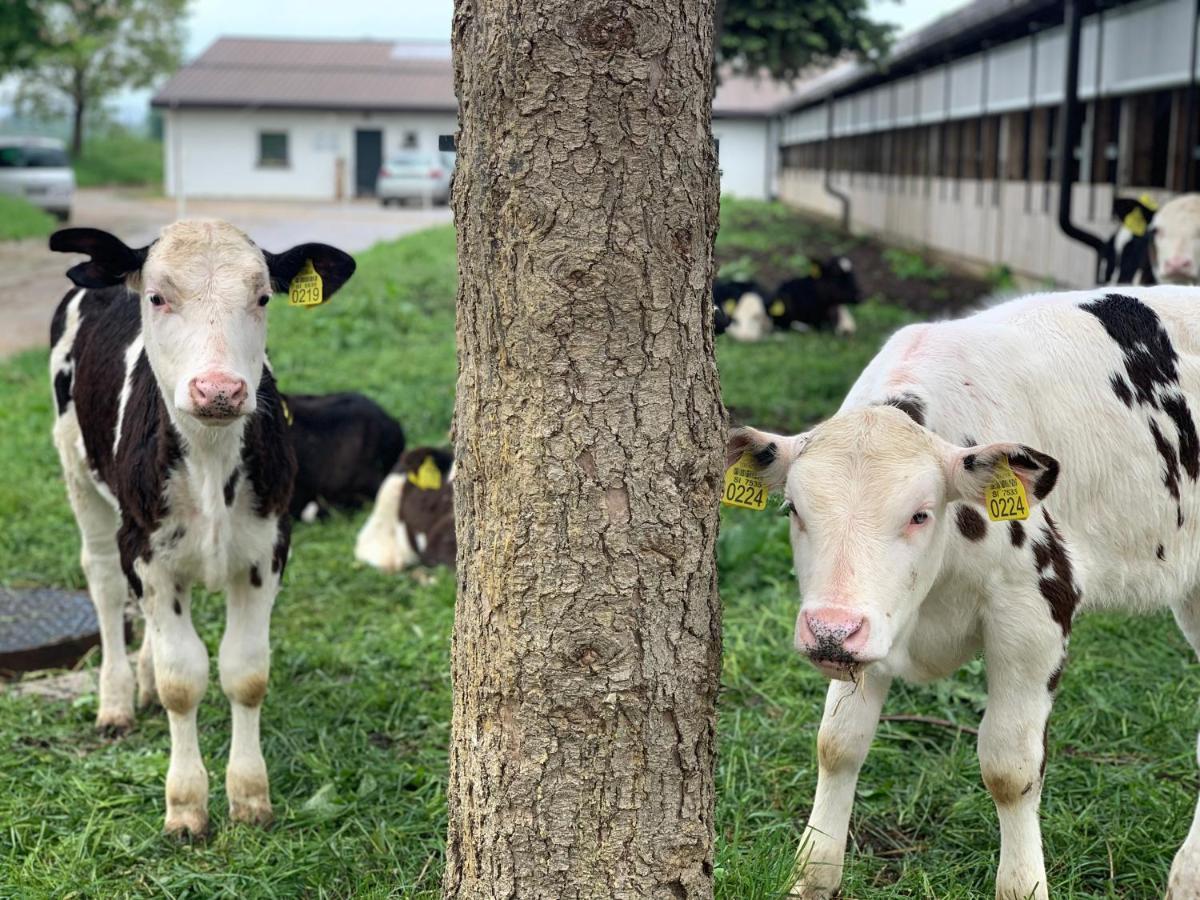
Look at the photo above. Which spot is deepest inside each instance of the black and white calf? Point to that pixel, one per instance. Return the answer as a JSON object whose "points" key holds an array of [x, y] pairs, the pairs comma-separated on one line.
{"points": [[1089, 398], [1175, 241], [1128, 250], [740, 310], [818, 300], [179, 470], [413, 519], [345, 446]]}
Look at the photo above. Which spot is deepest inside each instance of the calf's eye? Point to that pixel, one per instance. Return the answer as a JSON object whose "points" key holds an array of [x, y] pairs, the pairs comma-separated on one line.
{"points": [[264, 299], [156, 300], [920, 518]]}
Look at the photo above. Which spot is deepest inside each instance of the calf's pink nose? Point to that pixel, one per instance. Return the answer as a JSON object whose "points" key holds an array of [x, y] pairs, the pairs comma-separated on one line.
{"points": [[217, 393], [1178, 265], [832, 628]]}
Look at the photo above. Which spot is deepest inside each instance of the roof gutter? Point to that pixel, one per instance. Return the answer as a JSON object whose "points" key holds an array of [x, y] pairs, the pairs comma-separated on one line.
{"points": [[1068, 138], [840, 196]]}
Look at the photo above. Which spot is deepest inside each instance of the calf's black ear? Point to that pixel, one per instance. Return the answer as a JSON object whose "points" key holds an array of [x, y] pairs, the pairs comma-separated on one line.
{"points": [[112, 261], [334, 266]]}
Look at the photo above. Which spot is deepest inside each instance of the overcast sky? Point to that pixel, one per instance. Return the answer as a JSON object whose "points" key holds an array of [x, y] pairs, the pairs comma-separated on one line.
{"points": [[425, 19], [420, 19]]}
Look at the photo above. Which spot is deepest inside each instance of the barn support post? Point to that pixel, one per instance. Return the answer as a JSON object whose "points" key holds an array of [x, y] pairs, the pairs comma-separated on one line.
{"points": [[1191, 163], [1068, 137]]}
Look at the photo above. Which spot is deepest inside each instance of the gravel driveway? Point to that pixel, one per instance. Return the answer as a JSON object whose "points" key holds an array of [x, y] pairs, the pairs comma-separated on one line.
{"points": [[32, 280]]}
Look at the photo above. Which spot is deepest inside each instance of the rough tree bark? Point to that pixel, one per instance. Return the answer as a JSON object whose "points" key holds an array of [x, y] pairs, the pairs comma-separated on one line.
{"points": [[589, 440]]}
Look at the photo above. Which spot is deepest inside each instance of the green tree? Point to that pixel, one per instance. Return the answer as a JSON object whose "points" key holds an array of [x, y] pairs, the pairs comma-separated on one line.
{"points": [[96, 48], [785, 37], [20, 34]]}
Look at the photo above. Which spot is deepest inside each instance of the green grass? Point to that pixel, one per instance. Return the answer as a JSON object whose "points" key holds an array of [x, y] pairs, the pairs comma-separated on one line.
{"points": [[21, 219], [119, 158], [356, 724]]}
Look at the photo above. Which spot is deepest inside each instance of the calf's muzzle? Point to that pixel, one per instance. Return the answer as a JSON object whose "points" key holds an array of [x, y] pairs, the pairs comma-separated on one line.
{"points": [[217, 395]]}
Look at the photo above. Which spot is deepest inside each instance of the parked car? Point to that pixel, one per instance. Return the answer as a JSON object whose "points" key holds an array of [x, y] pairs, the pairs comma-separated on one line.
{"points": [[415, 175], [37, 169]]}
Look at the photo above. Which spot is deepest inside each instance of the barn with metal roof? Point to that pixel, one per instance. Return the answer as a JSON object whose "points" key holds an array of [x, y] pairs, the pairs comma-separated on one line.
{"points": [[955, 141]]}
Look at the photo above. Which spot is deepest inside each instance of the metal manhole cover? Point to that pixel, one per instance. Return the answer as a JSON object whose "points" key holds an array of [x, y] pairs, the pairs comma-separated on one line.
{"points": [[46, 628]]}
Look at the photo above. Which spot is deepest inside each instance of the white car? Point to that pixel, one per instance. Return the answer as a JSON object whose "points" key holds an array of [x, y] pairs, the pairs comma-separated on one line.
{"points": [[37, 169], [413, 174]]}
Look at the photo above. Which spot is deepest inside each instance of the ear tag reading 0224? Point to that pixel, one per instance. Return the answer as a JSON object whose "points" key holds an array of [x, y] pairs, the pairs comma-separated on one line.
{"points": [[743, 487], [428, 476], [1005, 497], [307, 288]]}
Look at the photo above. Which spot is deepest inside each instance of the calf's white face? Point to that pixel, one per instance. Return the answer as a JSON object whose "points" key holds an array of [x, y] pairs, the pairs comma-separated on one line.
{"points": [[870, 496], [1176, 248], [205, 288]]}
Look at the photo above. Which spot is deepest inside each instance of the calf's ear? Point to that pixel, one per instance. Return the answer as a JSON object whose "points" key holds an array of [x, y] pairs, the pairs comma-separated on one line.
{"points": [[972, 470], [334, 266], [111, 262], [773, 454]]}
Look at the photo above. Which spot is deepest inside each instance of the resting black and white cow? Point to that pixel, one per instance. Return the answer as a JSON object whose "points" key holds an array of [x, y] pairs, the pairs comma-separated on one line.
{"points": [[179, 470], [412, 522], [740, 311], [1175, 241], [345, 446], [1090, 398], [819, 300]]}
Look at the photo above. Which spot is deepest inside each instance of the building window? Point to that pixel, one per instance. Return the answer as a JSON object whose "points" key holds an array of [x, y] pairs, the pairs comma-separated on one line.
{"points": [[272, 149], [411, 141]]}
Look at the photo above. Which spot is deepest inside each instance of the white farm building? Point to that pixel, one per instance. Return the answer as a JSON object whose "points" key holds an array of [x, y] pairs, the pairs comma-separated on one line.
{"points": [[314, 119]]}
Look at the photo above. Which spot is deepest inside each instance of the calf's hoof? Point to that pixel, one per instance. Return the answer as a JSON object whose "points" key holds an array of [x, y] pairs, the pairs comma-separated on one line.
{"points": [[187, 823], [252, 811], [801, 891], [114, 723]]}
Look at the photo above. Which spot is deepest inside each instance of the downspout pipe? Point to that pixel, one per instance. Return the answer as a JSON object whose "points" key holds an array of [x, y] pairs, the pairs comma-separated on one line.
{"points": [[840, 196], [1190, 161], [1068, 138]]}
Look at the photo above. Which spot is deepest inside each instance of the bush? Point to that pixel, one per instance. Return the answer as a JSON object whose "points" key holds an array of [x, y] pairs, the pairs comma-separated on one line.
{"points": [[19, 219], [120, 158]]}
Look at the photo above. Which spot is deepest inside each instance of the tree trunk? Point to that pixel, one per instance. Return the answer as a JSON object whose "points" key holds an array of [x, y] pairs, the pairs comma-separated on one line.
{"points": [[78, 104], [589, 441]]}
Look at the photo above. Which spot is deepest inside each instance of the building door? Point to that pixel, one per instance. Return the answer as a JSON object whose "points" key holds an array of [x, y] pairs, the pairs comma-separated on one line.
{"points": [[368, 157]]}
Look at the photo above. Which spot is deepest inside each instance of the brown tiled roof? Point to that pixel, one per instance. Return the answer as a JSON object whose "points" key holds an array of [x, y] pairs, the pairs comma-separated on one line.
{"points": [[315, 74], [375, 75]]}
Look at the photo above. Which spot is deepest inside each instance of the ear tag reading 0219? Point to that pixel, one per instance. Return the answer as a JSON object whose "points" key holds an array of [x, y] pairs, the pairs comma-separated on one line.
{"points": [[1005, 497], [743, 487], [428, 476], [307, 288]]}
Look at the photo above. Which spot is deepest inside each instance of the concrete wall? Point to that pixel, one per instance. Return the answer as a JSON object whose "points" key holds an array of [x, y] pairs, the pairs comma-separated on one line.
{"points": [[747, 157], [985, 223], [217, 150]]}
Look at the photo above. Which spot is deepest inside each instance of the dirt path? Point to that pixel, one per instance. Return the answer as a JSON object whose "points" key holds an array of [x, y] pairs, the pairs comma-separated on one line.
{"points": [[32, 280]]}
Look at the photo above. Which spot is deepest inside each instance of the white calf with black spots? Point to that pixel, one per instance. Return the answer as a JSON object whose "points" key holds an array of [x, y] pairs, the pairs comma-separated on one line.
{"points": [[179, 470], [1089, 399]]}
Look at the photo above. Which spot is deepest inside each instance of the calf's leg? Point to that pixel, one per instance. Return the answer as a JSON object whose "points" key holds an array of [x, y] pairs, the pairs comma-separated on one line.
{"points": [[1024, 649], [245, 662], [1184, 880], [107, 586], [847, 727], [181, 676]]}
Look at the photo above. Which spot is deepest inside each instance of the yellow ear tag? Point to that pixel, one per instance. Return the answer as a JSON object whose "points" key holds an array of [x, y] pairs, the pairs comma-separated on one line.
{"points": [[1135, 222], [743, 486], [1005, 497], [428, 476], [776, 308], [729, 306], [307, 288], [814, 270], [1147, 201]]}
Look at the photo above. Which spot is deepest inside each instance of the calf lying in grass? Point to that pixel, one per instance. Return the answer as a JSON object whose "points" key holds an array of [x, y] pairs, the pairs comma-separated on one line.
{"points": [[412, 522], [179, 470], [903, 575]]}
